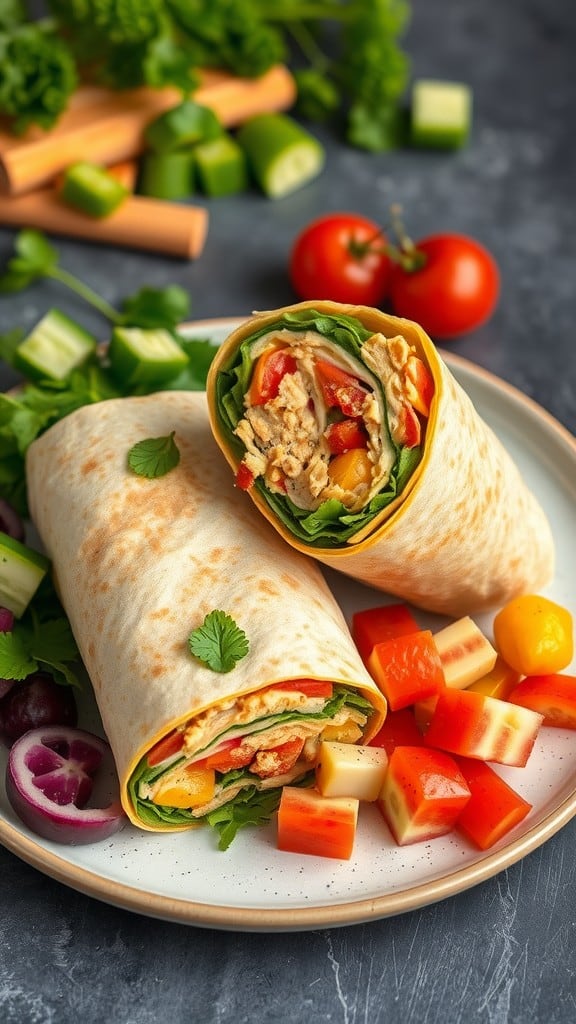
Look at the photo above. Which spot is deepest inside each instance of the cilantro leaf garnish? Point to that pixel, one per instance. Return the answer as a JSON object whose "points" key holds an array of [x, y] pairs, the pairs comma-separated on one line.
{"points": [[33, 645], [249, 808], [15, 659], [154, 456], [219, 642]]}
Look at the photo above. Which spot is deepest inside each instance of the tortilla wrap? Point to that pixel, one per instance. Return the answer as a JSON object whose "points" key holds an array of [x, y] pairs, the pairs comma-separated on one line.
{"points": [[139, 563], [451, 527]]}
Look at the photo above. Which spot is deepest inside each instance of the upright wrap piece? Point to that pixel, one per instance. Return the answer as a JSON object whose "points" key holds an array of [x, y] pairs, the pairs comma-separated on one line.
{"points": [[356, 442], [138, 564]]}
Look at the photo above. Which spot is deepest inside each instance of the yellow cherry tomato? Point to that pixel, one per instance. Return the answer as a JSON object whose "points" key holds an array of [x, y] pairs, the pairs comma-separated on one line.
{"points": [[351, 469], [534, 635]]}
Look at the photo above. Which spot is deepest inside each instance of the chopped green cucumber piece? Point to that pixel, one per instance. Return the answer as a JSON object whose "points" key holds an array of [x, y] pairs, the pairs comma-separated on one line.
{"points": [[281, 154], [21, 573], [54, 348], [222, 166], [441, 114], [183, 125], [92, 189], [145, 355], [167, 175]]}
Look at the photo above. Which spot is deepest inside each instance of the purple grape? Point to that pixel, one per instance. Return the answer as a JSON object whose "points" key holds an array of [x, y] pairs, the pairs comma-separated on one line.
{"points": [[33, 702], [5, 686], [10, 521]]}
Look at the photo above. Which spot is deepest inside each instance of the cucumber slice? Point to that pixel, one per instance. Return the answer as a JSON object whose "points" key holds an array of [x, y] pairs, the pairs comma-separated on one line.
{"points": [[183, 125], [92, 189], [138, 355], [167, 175], [281, 154], [21, 573], [55, 347], [222, 166], [441, 114]]}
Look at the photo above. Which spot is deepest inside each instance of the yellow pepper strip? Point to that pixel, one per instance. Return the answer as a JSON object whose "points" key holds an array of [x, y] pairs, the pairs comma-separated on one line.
{"points": [[498, 682], [534, 635], [190, 787]]}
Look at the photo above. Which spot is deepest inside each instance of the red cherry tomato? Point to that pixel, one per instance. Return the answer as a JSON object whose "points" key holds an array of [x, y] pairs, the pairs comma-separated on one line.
{"points": [[455, 289], [342, 257]]}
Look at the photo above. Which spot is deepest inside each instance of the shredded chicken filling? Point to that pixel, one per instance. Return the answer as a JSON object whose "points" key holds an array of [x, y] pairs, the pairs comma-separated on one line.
{"points": [[287, 438]]}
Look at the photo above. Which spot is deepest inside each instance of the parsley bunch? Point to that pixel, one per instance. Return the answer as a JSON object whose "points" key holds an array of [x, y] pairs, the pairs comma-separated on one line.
{"points": [[37, 73], [345, 54]]}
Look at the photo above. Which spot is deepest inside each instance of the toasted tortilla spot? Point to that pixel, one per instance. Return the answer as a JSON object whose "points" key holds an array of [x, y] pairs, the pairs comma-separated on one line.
{"points": [[89, 466]]}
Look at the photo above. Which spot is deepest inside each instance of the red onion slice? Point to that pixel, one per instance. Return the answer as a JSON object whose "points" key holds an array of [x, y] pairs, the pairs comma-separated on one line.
{"points": [[49, 780]]}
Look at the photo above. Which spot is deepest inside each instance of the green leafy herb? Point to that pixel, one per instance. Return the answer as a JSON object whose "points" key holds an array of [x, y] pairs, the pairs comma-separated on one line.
{"points": [[154, 457], [35, 644], [35, 258], [37, 74], [156, 307], [219, 642], [249, 808], [349, 65]]}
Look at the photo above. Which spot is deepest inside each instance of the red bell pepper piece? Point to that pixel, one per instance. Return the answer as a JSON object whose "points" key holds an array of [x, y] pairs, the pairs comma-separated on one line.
{"points": [[419, 385], [311, 687], [494, 807], [244, 477], [375, 625], [344, 435], [400, 729], [315, 824], [424, 793], [407, 668], [267, 375], [553, 696], [410, 428], [232, 754], [485, 728], [340, 389], [165, 748]]}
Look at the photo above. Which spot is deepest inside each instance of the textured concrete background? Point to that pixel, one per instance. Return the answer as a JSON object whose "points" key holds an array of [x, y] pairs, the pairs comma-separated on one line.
{"points": [[505, 952]]}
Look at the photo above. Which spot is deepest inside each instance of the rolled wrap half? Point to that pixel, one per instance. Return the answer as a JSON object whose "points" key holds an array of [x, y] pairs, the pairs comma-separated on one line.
{"points": [[139, 563], [355, 441]]}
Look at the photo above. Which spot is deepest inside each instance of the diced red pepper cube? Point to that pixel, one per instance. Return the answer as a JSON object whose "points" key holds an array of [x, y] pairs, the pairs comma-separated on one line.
{"points": [[407, 669]]}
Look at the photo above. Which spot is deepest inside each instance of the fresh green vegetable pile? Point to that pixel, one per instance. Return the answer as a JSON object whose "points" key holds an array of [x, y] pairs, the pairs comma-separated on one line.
{"points": [[43, 401], [345, 54]]}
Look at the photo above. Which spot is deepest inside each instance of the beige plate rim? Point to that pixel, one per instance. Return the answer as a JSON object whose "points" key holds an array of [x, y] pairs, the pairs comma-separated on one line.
{"points": [[259, 919]]}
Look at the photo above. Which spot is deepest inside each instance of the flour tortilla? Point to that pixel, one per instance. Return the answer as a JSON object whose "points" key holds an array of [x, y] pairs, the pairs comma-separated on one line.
{"points": [[465, 535], [139, 563]]}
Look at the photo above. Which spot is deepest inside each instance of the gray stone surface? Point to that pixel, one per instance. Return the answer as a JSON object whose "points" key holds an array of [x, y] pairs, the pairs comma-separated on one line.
{"points": [[505, 951]]}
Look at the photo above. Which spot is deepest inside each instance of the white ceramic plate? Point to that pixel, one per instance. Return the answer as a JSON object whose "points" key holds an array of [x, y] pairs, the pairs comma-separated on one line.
{"points": [[253, 886]]}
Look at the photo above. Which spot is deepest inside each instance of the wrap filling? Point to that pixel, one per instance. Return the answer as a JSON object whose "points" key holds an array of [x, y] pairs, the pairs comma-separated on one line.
{"points": [[327, 419], [255, 742]]}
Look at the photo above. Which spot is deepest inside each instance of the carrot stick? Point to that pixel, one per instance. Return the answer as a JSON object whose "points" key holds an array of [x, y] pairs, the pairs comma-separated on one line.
{"points": [[126, 172], [140, 223], [106, 126]]}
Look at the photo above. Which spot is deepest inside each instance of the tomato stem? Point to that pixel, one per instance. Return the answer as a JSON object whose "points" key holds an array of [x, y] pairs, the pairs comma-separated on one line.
{"points": [[403, 251]]}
